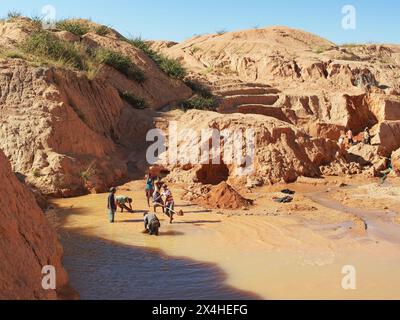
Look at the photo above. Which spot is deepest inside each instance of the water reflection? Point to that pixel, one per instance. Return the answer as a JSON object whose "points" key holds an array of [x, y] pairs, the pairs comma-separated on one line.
{"points": [[100, 269]]}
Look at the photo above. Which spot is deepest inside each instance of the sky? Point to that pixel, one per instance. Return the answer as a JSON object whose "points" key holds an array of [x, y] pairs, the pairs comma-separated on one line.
{"points": [[375, 21]]}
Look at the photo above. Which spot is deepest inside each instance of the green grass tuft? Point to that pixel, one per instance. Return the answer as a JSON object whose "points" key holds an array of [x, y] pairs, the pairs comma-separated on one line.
{"points": [[14, 14], [44, 45], [198, 103], [121, 63], [76, 27], [102, 30], [14, 54], [89, 172], [199, 88], [135, 102], [172, 67], [36, 173], [193, 50], [37, 21]]}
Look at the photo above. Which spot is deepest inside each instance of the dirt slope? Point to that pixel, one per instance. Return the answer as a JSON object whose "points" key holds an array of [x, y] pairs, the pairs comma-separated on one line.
{"points": [[69, 132], [300, 78], [27, 242]]}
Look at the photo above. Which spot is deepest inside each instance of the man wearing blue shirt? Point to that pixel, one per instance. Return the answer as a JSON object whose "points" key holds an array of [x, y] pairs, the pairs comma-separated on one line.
{"points": [[111, 205]]}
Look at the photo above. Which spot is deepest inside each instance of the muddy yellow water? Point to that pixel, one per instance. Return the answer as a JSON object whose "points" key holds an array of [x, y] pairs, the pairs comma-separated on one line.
{"points": [[263, 253]]}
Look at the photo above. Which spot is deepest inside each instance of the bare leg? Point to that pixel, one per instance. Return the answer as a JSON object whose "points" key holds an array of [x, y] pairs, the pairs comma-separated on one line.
{"points": [[169, 212]]}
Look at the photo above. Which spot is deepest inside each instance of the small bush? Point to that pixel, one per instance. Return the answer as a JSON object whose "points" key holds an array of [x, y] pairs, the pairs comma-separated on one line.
{"points": [[209, 70], [14, 54], [221, 32], [198, 103], [37, 21], [322, 49], [102, 30], [350, 45], [76, 27], [45, 45], [135, 102], [13, 14], [172, 67], [139, 43], [199, 88], [36, 173], [89, 172], [121, 63], [319, 50], [194, 50]]}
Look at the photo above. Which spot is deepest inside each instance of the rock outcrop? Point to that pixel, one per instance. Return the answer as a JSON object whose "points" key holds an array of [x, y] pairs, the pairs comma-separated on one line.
{"points": [[282, 152], [27, 243]]}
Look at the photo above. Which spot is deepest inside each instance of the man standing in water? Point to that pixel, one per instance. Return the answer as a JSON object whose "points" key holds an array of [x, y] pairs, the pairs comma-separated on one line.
{"points": [[169, 203], [149, 188], [111, 205], [157, 197]]}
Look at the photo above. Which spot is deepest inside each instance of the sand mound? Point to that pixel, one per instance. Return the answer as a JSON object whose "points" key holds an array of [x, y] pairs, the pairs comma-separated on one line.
{"points": [[223, 196]]}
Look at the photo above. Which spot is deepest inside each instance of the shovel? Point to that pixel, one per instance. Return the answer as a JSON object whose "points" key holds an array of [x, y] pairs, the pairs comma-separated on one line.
{"points": [[197, 194], [179, 213]]}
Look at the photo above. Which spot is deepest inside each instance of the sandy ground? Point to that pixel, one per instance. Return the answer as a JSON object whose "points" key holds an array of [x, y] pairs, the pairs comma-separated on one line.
{"points": [[277, 251]]}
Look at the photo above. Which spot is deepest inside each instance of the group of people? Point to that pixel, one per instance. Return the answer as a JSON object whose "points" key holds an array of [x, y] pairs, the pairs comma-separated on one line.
{"points": [[349, 136], [157, 191]]}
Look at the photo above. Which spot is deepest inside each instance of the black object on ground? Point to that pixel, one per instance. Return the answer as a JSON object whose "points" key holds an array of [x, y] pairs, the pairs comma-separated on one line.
{"points": [[286, 199], [288, 191]]}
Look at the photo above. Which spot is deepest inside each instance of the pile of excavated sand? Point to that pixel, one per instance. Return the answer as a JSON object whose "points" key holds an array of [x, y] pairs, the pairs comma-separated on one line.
{"points": [[223, 196]]}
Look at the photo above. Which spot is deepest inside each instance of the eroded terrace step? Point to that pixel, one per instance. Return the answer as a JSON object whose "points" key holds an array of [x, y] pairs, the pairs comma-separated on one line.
{"points": [[262, 109], [246, 91], [234, 101]]}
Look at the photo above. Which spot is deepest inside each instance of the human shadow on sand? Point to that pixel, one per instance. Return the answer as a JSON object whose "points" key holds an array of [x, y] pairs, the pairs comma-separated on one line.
{"points": [[129, 221], [199, 211], [197, 222], [185, 205], [171, 233]]}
